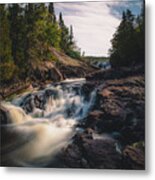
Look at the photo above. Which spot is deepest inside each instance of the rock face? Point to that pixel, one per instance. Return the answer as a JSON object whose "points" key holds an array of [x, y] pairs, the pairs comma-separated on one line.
{"points": [[118, 73], [55, 70], [69, 67], [46, 71], [86, 152], [134, 157], [120, 107], [119, 111]]}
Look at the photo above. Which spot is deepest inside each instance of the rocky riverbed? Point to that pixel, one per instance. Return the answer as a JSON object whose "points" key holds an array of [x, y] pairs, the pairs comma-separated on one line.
{"points": [[102, 121], [114, 131]]}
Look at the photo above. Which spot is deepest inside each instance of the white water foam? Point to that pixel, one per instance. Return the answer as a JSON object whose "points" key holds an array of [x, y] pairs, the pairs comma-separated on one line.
{"points": [[40, 134]]}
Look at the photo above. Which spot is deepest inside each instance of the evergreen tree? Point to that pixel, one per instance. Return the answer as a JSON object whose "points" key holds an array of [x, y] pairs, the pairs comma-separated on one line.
{"points": [[52, 12], [7, 67], [30, 18], [71, 36], [61, 21], [29, 30], [17, 33], [43, 33], [125, 49], [67, 43], [53, 31], [64, 43], [140, 35]]}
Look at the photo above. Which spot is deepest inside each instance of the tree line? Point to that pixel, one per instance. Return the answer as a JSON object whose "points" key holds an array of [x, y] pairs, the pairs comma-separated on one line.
{"points": [[27, 31], [128, 43]]}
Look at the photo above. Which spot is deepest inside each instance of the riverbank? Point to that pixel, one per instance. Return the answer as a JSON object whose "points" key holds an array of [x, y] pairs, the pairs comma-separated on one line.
{"points": [[114, 131], [109, 135], [61, 68]]}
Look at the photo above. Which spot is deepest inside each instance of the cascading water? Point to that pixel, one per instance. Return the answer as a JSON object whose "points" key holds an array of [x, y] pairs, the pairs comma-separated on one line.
{"points": [[43, 122]]}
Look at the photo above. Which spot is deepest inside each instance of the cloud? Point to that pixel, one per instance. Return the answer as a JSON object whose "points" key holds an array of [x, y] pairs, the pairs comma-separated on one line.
{"points": [[117, 7], [93, 23]]}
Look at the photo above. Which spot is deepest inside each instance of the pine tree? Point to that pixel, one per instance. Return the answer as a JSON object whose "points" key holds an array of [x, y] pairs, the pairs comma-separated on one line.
{"points": [[61, 21], [64, 43], [36, 15], [29, 30], [124, 45], [17, 34], [7, 67], [29, 38], [71, 36], [53, 31], [52, 12], [140, 35]]}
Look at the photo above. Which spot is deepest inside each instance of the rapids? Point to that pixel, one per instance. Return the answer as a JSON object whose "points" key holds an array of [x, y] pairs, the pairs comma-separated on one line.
{"points": [[43, 122]]}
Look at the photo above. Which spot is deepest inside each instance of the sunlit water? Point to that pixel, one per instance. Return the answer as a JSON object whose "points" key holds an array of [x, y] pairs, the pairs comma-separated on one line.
{"points": [[43, 122]]}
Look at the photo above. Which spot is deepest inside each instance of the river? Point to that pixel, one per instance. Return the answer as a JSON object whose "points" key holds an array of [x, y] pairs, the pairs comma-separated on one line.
{"points": [[41, 123]]}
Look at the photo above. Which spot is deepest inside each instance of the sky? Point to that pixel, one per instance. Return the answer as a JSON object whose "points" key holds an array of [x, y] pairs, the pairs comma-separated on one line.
{"points": [[94, 23]]}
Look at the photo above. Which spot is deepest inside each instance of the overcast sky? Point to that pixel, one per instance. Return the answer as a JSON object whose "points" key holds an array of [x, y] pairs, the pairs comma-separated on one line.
{"points": [[94, 23]]}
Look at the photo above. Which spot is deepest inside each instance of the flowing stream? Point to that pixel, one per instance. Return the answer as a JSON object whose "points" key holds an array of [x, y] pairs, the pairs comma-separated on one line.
{"points": [[43, 122]]}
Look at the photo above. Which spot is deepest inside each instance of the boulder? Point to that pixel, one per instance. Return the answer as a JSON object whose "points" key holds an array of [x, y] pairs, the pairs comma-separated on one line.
{"points": [[119, 107], [86, 152], [3, 116], [134, 157]]}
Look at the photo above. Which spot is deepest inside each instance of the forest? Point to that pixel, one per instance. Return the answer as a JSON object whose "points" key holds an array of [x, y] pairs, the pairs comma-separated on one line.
{"points": [[29, 30], [27, 33], [128, 43], [62, 108]]}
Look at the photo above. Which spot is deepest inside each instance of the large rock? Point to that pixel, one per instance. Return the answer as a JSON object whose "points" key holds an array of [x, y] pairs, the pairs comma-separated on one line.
{"points": [[86, 152], [46, 71], [134, 157], [3, 116], [120, 107], [116, 73]]}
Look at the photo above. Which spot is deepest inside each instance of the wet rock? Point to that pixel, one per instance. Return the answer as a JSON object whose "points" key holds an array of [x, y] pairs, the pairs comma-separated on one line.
{"points": [[116, 73], [120, 107], [86, 152], [28, 104], [93, 118], [51, 93], [134, 157], [37, 101], [72, 157], [87, 89], [3, 116], [102, 154]]}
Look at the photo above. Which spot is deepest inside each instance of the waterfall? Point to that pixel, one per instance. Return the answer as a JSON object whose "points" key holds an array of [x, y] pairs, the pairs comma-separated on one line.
{"points": [[43, 122]]}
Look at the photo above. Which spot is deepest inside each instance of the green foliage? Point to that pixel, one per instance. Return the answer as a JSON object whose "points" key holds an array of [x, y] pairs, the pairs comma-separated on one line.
{"points": [[128, 41], [7, 70], [28, 31], [38, 42], [5, 43], [74, 54], [52, 12], [53, 58], [64, 33], [94, 58], [7, 66], [67, 43], [17, 28]]}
